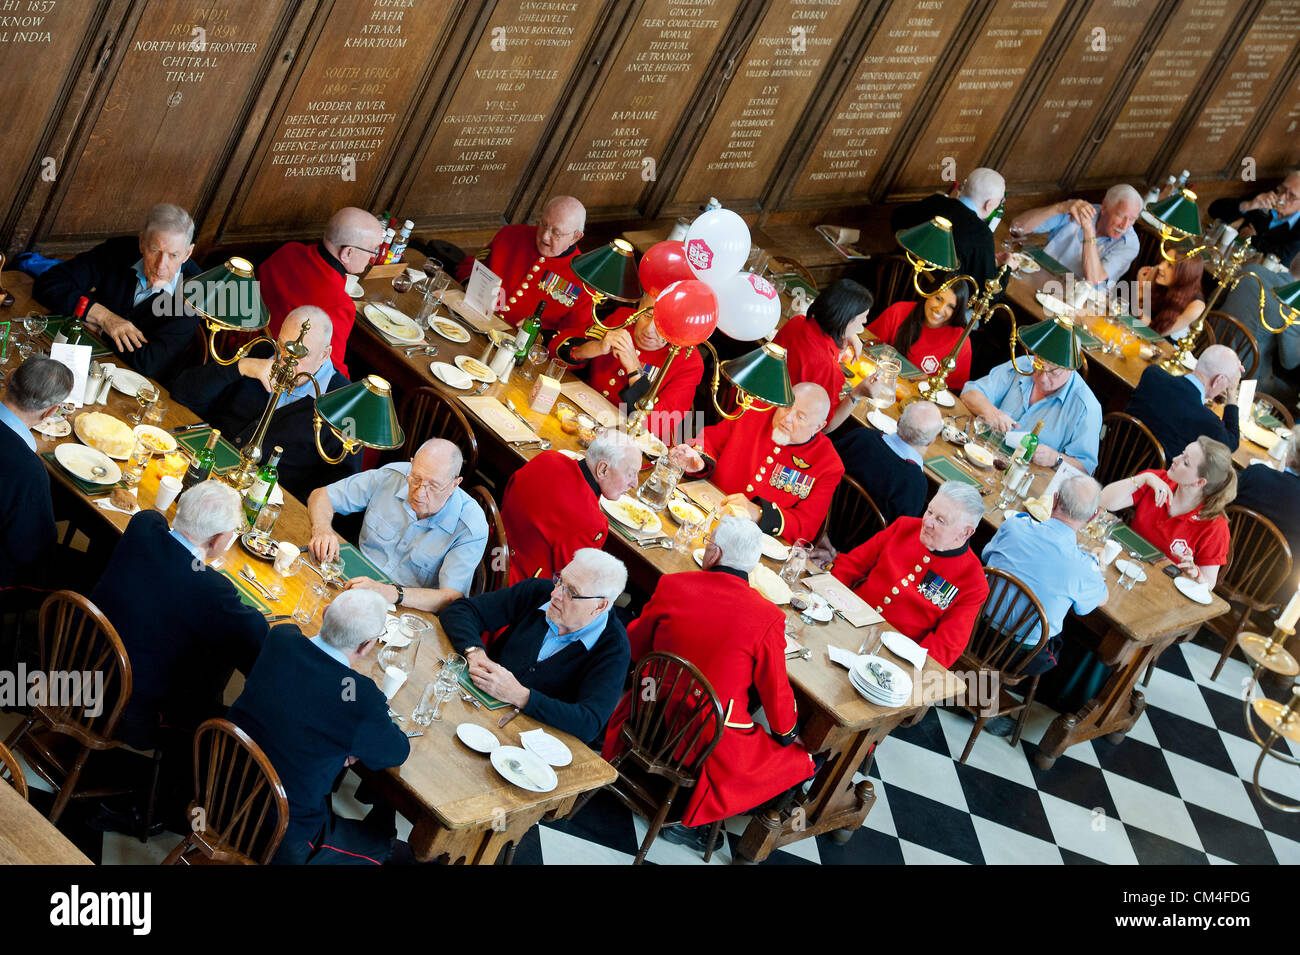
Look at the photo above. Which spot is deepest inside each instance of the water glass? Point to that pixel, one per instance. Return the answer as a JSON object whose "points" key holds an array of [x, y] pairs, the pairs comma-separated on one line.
{"points": [[536, 355], [684, 539], [1128, 574], [661, 483], [266, 519], [34, 324], [426, 711], [885, 382], [136, 463], [310, 601], [155, 413], [455, 666], [794, 565], [874, 637]]}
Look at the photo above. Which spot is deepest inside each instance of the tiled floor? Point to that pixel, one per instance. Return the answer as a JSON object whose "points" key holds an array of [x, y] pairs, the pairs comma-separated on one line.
{"points": [[1177, 790]]}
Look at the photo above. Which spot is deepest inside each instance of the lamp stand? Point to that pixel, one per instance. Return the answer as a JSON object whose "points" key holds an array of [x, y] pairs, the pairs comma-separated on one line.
{"points": [[981, 309], [647, 401], [1282, 720]]}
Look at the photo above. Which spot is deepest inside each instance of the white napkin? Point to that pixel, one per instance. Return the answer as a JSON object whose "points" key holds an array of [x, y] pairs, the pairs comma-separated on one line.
{"points": [[843, 657], [542, 744], [907, 648]]}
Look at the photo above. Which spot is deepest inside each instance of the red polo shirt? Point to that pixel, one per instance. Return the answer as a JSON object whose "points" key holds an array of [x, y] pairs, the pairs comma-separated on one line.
{"points": [[932, 345], [1208, 539], [812, 355]]}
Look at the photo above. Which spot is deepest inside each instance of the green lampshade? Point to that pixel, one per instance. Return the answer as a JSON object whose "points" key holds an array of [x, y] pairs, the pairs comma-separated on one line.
{"points": [[762, 374], [1288, 296], [1178, 213], [364, 412], [228, 296], [1054, 340], [610, 271], [931, 242]]}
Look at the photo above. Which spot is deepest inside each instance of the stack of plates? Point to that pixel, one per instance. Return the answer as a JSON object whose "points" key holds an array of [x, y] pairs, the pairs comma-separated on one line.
{"points": [[865, 682]]}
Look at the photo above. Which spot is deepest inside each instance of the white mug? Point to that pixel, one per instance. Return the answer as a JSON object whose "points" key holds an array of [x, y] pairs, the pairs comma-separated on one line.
{"points": [[285, 555], [168, 487]]}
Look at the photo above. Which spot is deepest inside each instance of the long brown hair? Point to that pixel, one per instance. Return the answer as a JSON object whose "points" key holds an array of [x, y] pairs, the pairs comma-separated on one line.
{"points": [[1220, 477], [910, 329], [1169, 301]]}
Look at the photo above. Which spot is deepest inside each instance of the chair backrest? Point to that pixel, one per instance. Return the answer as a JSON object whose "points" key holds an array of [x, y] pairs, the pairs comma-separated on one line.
{"points": [[1259, 559], [424, 414], [76, 641], [1205, 339], [853, 516], [1127, 447], [1228, 331], [675, 719], [493, 571], [893, 280], [1004, 634], [11, 771], [240, 810], [1280, 411]]}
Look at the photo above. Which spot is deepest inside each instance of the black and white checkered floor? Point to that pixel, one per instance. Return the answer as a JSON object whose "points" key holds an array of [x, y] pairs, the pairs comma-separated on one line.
{"points": [[1177, 790]]}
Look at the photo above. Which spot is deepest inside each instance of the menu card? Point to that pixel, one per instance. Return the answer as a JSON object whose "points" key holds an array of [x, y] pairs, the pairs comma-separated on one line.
{"points": [[481, 290], [498, 417], [77, 358], [590, 400], [702, 493], [855, 610], [483, 323]]}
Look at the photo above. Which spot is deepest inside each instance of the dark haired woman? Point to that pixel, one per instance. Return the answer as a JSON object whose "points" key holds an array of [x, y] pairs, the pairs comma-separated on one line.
{"points": [[1170, 293], [817, 343], [926, 331]]}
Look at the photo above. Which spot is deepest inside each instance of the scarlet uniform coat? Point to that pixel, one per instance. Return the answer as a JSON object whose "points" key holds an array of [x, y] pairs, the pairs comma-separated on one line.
{"points": [[773, 476], [811, 355], [606, 374], [896, 565], [717, 621], [528, 278], [551, 510], [298, 274], [932, 345]]}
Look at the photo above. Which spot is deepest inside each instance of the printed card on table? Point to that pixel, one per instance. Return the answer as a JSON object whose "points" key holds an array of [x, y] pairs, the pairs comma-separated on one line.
{"points": [[590, 400], [856, 610], [481, 290], [77, 358]]}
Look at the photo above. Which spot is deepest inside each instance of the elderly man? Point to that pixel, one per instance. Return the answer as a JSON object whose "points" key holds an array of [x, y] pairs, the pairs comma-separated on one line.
{"points": [[562, 656], [736, 637], [1271, 219], [891, 467], [551, 507], [777, 467], [1016, 397], [27, 532], [534, 264], [1047, 559], [1279, 352], [419, 528], [298, 274], [134, 284], [921, 574], [981, 194], [1096, 243], [1174, 407], [312, 713], [233, 398], [178, 671], [624, 364]]}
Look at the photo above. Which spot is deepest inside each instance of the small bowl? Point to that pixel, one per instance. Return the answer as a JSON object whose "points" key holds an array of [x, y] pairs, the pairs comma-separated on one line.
{"points": [[980, 457]]}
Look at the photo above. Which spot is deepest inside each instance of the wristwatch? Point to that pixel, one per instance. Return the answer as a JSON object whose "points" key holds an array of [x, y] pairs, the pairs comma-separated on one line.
{"points": [[401, 594], [1059, 459]]}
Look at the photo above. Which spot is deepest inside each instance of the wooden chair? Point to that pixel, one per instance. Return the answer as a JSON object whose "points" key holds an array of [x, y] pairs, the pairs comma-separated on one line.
{"points": [[1127, 447], [893, 280], [666, 741], [1279, 410], [73, 636], [853, 516], [493, 571], [424, 414], [240, 809], [1012, 615], [1228, 331], [1259, 562], [12, 772]]}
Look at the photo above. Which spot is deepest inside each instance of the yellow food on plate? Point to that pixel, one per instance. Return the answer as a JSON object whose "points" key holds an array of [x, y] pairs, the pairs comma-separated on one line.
{"points": [[638, 515], [105, 433], [1038, 508], [684, 512], [768, 583], [977, 455], [474, 367]]}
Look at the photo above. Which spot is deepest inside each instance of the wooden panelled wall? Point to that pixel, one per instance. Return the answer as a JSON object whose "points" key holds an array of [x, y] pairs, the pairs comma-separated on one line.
{"points": [[262, 116]]}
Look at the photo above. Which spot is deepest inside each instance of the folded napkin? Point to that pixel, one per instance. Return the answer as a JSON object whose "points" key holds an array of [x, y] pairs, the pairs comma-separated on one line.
{"points": [[843, 657], [906, 648]]}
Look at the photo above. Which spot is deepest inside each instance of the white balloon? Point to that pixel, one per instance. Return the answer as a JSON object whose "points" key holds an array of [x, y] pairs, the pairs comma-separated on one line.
{"points": [[748, 306], [717, 245]]}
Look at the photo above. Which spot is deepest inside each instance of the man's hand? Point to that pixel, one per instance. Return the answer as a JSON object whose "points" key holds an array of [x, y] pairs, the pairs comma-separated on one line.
{"points": [[125, 336], [1000, 421], [624, 348], [387, 591], [1084, 214], [1045, 455], [741, 506], [686, 458], [823, 552], [496, 680], [324, 544], [259, 368], [1264, 201], [1002, 258]]}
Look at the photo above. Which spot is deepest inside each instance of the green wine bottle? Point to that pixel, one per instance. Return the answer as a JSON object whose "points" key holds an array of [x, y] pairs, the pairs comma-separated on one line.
{"points": [[528, 333], [260, 491], [201, 469], [75, 330]]}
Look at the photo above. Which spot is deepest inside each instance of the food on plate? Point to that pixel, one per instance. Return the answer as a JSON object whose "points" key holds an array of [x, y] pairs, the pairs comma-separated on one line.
{"points": [[978, 455], [637, 514], [123, 500], [1039, 508], [474, 367], [684, 511], [105, 433]]}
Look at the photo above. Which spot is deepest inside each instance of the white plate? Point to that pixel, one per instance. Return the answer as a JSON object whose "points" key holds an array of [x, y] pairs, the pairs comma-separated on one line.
{"points": [[683, 511], [540, 779], [127, 382], [874, 695], [54, 428], [545, 746], [882, 422], [78, 459], [482, 373], [449, 330], [1123, 565], [819, 607], [978, 456], [858, 677], [1193, 590], [451, 376], [392, 322], [945, 399], [623, 510], [773, 549], [575, 455], [167, 442], [1025, 264], [698, 554], [904, 648], [478, 738], [650, 446]]}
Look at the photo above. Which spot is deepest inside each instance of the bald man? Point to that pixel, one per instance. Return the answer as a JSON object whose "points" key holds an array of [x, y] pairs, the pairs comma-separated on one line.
{"points": [[777, 468], [1175, 407], [535, 267], [232, 398], [298, 274]]}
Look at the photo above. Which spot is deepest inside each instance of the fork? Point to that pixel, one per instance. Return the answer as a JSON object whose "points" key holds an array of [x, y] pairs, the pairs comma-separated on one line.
{"points": [[248, 575], [470, 700]]}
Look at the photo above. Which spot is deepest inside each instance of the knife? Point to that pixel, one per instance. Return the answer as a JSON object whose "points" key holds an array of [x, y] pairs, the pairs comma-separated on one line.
{"points": [[278, 617], [188, 427], [514, 711]]}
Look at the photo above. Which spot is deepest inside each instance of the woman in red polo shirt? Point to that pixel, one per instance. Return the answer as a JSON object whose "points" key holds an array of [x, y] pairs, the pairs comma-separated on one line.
{"points": [[1181, 510], [815, 344], [926, 331]]}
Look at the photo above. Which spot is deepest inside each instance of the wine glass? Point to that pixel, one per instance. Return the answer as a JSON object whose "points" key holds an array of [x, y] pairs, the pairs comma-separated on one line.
{"points": [[536, 355], [331, 570], [145, 396], [24, 351], [402, 282], [35, 325]]}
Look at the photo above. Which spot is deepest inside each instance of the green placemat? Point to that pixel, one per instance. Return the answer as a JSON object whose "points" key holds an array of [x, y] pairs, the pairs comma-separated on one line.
{"points": [[89, 488], [949, 471], [246, 593], [491, 702], [906, 368], [1042, 258], [1267, 420], [356, 564], [54, 326], [226, 455], [1133, 541], [1142, 331]]}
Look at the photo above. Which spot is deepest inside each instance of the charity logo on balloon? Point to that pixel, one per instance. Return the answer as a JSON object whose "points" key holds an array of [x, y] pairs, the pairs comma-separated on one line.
{"points": [[699, 255]]}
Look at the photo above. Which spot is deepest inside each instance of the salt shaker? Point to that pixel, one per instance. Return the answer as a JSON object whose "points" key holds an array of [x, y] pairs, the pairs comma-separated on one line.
{"points": [[94, 378]]}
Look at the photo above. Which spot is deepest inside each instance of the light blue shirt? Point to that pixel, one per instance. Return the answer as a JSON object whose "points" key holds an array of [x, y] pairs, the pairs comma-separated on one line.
{"points": [[142, 288], [16, 424], [903, 449], [1196, 383], [1065, 244], [185, 542], [324, 374], [1275, 220], [556, 641], [1047, 559], [440, 550], [334, 652], [1071, 415], [968, 203]]}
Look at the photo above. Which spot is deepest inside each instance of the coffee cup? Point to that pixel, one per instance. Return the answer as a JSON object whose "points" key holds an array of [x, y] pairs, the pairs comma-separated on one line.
{"points": [[168, 487], [285, 555], [1110, 550]]}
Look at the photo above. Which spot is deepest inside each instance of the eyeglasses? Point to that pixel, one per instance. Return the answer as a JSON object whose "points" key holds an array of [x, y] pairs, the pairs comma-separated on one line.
{"points": [[569, 592], [434, 489], [362, 248], [1046, 369], [546, 231]]}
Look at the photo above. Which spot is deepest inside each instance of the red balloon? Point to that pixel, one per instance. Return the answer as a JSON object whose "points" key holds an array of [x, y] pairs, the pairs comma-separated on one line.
{"points": [[663, 264], [686, 312]]}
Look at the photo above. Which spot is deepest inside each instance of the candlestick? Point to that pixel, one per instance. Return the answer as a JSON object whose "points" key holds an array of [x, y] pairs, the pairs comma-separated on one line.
{"points": [[1292, 612]]}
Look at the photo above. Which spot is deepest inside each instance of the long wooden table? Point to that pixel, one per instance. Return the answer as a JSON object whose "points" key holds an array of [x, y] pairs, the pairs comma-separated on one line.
{"points": [[28, 838]]}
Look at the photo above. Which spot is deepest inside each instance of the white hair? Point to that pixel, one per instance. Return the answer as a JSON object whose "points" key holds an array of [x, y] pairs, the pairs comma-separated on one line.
{"points": [[740, 541], [965, 497], [606, 574], [166, 217], [206, 510], [1078, 498], [1122, 192], [983, 184], [573, 206], [39, 383], [614, 448], [914, 429], [354, 617]]}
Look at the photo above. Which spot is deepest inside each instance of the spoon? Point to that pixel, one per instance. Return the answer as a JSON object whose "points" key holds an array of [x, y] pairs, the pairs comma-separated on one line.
{"points": [[481, 388], [98, 471], [248, 574], [428, 350], [542, 444]]}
